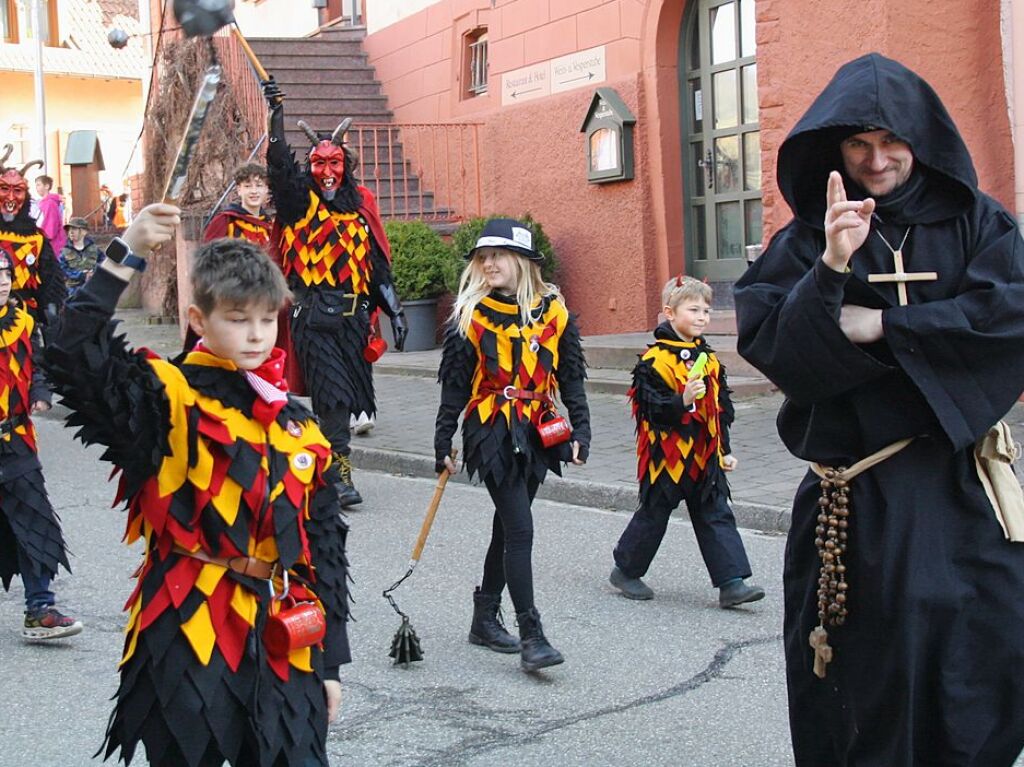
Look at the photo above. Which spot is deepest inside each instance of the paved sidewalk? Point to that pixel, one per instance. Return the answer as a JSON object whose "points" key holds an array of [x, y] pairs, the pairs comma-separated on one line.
{"points": [[402, 442]]}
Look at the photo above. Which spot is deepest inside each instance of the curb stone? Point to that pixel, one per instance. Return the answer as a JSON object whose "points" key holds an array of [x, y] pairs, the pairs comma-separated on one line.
{"points": [[621, 498]]}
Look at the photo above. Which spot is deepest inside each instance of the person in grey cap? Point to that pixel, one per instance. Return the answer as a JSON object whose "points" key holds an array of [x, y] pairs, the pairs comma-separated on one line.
{"points": [[510, 348], [79, 255]]}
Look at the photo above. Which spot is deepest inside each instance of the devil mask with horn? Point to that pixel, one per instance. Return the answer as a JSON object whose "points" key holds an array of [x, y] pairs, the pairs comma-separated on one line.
{"points": [[13, 186], [329, 160]]}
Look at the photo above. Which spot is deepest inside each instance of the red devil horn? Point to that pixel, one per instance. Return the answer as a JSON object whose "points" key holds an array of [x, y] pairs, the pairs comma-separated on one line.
{"points": [[8, 148], [310, 133], [26, 166], [338, 137]]}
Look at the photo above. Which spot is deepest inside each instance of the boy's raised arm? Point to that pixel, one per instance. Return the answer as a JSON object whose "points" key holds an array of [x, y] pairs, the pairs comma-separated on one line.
{"points": [[116, 398]]}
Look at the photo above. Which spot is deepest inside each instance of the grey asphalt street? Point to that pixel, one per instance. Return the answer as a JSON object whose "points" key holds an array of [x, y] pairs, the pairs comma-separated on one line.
{"points": [[675, 681]]}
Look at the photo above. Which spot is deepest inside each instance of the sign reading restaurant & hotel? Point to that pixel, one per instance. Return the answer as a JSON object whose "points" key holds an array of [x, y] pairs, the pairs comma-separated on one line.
{"points": [[576, 70]]}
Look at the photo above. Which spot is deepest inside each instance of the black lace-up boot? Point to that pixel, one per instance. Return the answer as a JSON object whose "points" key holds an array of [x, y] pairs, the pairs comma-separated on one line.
{"points": [[536, 652], [487, 629], [347, 493]]}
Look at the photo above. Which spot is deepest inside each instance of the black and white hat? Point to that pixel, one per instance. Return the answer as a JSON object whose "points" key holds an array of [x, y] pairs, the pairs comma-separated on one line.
{"points": [[508, 234]]}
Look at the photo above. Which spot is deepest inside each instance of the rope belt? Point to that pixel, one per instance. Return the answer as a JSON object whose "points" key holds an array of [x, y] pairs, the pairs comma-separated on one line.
{"points": [[830, 541], [250, 566]]}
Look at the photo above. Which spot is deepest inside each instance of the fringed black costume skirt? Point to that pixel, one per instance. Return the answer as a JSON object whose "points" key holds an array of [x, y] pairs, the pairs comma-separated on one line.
{"points": [[189, 715], [27, 519], [492, 449], [335, 371]]}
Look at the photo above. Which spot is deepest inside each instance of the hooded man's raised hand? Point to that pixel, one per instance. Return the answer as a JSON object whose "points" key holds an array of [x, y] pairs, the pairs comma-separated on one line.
{"points": [[847, 224]]}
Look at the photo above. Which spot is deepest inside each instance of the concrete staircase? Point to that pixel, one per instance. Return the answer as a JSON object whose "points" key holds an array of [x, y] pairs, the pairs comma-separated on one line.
{"points": [[326, 78]]}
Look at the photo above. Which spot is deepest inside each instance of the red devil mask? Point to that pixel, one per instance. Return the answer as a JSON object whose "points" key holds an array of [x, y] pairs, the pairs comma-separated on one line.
{"points": [[13, 186], [327, 159], [327, 165], [13, 192]]}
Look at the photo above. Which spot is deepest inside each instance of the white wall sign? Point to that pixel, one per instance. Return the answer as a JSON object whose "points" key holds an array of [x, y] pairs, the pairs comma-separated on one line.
{"points": [[526, 84], [577, 70]]}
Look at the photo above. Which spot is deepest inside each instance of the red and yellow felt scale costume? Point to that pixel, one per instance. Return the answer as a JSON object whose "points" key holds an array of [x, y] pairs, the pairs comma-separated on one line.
{"points": [[678, 447], [327, 247], [236, 222], [543, 357], [220, 461], [205, 468], [25, 252], [26, 516]]}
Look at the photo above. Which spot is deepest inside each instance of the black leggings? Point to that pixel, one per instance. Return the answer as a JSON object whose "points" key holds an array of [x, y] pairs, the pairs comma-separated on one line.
{"points": [[509, 557]]}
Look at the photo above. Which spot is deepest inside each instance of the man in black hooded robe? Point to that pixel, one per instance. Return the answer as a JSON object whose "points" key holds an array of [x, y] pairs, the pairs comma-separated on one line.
{"points": [[925, 621]]}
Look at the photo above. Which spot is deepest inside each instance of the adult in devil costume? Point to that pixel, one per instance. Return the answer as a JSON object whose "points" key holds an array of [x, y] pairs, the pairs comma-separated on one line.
{"points": [[335, 254], [904, 599], [230, 487], [38, 281]]}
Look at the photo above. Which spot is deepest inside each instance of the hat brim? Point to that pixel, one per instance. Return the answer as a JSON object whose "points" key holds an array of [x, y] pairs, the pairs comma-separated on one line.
{"points": [[493, 242]]}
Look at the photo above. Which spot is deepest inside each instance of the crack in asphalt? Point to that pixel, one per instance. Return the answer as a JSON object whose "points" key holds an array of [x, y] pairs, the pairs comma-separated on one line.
{"points": [[456, 708]]}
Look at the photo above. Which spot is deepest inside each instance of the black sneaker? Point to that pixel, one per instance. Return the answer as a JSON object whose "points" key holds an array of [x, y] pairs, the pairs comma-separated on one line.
{"points": [[737, 592], [631, 588], [48, 623]]}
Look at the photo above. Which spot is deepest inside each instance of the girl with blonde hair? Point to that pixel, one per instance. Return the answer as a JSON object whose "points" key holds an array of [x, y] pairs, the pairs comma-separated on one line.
{"points": [[510, 349]]}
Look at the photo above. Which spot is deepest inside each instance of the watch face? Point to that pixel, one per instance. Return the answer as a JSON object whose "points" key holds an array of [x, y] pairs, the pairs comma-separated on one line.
{"points": [[117, 250]]}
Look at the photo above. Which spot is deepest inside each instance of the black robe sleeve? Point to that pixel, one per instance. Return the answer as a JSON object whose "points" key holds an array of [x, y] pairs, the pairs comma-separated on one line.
{"points": [[572, 376], [966, 353], [788, 316], [455, 374], [115, 397]]}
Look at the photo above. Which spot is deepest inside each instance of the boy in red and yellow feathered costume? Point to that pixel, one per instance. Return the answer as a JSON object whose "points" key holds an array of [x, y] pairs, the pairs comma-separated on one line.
{"points": [[31, 543], [229, 483], [246, 219], [682, 417]]}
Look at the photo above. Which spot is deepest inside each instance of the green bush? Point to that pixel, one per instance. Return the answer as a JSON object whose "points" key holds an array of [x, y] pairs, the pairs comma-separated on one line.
{"points": [[421, 261], [465, 237]]}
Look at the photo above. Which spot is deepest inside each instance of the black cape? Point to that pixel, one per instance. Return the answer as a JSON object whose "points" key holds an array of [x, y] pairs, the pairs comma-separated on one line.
{"points": [[927, 668]]}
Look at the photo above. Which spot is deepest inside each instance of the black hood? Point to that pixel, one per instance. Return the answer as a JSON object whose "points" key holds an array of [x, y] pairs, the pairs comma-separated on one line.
{"points": [[872, 93]]}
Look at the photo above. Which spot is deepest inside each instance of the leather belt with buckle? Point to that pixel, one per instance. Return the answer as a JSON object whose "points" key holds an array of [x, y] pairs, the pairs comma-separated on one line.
{"points": [[511, 392], [250, 566], [345, 310]]}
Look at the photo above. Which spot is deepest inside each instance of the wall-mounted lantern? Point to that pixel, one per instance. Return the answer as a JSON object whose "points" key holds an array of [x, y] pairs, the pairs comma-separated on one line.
{"points": [[609, 130]]}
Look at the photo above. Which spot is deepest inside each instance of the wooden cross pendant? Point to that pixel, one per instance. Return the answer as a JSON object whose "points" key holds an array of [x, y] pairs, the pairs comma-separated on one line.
{"points": [[822, 651], [901, 277]]}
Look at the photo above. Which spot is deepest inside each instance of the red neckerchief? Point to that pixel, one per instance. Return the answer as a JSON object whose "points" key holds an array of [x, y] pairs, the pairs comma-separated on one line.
{"points": [[268, 381]]}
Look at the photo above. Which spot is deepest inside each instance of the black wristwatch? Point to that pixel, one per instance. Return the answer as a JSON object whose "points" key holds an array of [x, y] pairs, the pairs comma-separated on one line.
{"points": [[119, 252]]}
